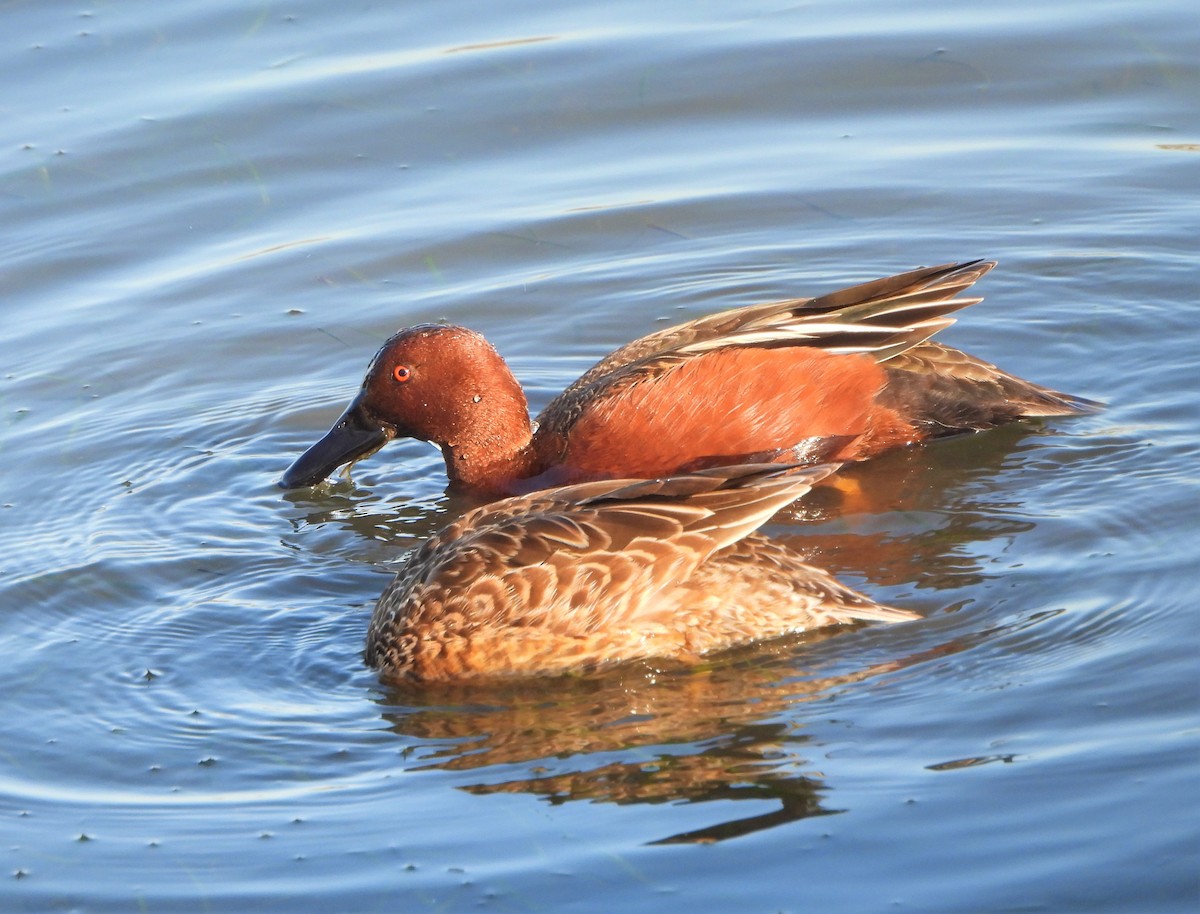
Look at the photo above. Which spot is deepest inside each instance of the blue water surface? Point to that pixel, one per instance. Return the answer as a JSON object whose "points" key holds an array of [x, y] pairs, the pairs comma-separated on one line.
{"points": [[213, 213]]}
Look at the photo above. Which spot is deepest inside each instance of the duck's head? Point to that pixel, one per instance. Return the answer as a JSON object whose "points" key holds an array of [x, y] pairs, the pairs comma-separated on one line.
{"points": [[433, 382]]}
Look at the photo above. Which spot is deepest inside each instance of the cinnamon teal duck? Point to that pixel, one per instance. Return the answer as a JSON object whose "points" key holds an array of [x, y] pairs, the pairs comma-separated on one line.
{"points": [[579, 577], [842, 377]]}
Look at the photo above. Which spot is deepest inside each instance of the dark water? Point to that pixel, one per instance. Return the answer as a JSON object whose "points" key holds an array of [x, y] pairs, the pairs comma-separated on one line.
{"points": [[212, 213]]}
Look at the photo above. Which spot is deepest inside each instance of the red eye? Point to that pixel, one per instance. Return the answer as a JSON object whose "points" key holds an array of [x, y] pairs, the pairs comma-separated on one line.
{"points": [[402, 373]]}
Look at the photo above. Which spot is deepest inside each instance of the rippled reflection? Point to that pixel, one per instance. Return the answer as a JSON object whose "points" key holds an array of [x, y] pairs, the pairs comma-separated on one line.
{"points": [[636, 735]]}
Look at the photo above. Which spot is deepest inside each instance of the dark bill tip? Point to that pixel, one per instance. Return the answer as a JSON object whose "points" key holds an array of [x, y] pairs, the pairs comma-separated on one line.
{"points": [[354, 435]]}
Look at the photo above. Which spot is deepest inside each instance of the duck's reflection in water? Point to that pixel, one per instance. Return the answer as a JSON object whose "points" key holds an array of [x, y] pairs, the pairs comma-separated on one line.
{"points": [[640, 734]]}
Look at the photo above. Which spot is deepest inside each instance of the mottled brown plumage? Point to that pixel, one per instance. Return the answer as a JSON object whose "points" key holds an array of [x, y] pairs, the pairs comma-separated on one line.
{"points": [[841, 377], [595, 573]]}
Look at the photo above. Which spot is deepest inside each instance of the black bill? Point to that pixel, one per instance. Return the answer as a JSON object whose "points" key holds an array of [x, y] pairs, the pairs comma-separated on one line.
{"points": [[353, 436]]}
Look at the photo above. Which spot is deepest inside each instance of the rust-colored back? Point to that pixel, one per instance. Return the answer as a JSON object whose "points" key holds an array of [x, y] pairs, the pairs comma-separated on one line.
{"points": [[732, 405]]}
